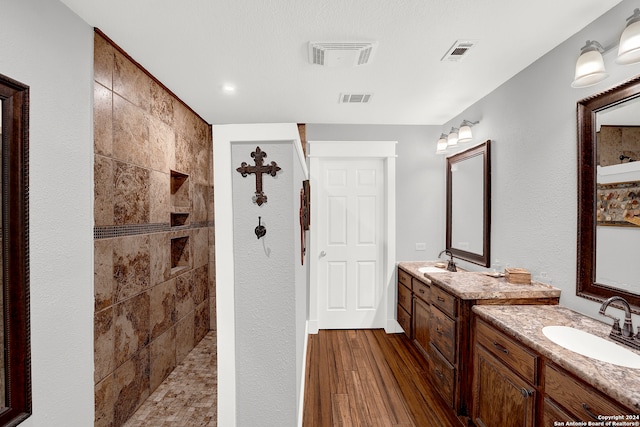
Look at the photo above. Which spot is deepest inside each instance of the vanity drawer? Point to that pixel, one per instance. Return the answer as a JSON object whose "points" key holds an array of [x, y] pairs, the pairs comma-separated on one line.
{"points": [[443, 375], [421, 290], [443, 333], [581, 400], [404, 298], [444, 300], [552, 413], [508, 351], [404, 319], [404, 278]]}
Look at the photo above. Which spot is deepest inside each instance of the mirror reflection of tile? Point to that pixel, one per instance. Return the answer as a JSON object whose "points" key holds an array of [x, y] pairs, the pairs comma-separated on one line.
{"points": [[618, 204]]}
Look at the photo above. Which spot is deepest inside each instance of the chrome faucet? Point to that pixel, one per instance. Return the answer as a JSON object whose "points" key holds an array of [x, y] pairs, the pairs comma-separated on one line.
{"points": [[624, 336], [451, 266]]}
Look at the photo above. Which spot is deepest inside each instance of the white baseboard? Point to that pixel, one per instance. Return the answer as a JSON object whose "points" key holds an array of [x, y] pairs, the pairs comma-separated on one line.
{"points": [[304, 376], [393, 327], [313, 326]]}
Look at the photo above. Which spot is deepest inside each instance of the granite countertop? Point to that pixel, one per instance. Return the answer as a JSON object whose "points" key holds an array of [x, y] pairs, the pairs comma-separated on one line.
{"points": [[525, 323], [469, 285]]}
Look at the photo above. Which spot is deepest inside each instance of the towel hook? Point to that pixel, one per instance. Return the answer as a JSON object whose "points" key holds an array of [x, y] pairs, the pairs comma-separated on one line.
{"points": [[260, 229]]}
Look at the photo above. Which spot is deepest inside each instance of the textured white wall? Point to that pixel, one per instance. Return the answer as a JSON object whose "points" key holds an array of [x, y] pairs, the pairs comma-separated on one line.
{"points": [[262, 289], [265, 291], [46, 46]]}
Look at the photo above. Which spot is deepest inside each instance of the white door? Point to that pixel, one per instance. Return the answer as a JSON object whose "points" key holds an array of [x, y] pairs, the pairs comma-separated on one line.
{"points": [[350, 243]]}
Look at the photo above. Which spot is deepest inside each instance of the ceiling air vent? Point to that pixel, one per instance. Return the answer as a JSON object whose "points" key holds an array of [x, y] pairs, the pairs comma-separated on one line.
{"points": [[350, 54], [355, 98], [459, 50]]}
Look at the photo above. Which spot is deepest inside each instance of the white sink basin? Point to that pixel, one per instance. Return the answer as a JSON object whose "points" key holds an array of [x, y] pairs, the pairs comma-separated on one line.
{"points": [[592, 346], [431, 270]]}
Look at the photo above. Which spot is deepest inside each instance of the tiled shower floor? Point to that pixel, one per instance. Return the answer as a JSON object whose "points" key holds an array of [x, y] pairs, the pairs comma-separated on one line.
{"points": [[188, 397]]}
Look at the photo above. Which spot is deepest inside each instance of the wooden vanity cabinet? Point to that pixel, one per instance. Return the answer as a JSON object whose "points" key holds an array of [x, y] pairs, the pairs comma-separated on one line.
{"points": [[504, 381], [405, 302], [552, 413], [501, 398], [444, 346], [414, 311], [573, 397], [440, 326], [514, 386], [421, 332]]}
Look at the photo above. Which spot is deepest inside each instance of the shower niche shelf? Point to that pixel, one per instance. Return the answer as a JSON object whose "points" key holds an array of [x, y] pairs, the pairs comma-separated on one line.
{"points": [[179, 218], [180, 199], [180, 254]]}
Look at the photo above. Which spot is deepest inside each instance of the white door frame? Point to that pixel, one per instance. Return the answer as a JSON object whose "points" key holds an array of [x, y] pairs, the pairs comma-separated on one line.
{"points": [[385, 150]]}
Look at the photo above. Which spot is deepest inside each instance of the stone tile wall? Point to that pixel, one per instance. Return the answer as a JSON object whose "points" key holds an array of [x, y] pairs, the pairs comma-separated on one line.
{"points": [[152, 305]]}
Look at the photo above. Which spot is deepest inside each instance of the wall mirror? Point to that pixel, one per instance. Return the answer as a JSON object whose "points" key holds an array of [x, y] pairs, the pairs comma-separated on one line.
{"points": [[15, 359], [469, 204], [609, 194]]}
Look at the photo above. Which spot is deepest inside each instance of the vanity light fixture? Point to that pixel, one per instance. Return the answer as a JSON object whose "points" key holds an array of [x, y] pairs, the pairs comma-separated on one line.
{"points": [[590, 66], [452, 138], [441, 146], [464, 133], [629, 47]]}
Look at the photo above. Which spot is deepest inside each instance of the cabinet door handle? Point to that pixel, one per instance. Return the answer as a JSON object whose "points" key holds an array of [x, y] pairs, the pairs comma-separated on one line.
{"points": [[440, 299], [421, 291], [526, 393], [438, 373], [500, 347], [588, 411]]}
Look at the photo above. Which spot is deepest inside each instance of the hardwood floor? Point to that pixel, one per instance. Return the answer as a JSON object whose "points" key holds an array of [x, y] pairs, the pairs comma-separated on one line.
{"points": [[367, 378]]}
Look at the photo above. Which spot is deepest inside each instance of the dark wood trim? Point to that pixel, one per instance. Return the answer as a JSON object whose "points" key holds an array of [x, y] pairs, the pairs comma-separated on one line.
{"points": [[144, 70], [15, 240], [484, 258], [587, 108]]}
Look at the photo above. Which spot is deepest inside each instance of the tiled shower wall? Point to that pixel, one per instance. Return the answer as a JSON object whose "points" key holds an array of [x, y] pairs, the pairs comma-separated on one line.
{"points": [[154, 278]]}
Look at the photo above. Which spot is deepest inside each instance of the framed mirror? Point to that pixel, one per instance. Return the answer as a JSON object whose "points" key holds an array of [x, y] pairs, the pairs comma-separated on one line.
{"points": [[469, 204], [15, 360], [609, 194]]}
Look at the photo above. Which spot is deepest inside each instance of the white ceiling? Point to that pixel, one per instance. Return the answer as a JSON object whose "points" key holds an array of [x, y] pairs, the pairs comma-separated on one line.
{"points": [[195, 47]]}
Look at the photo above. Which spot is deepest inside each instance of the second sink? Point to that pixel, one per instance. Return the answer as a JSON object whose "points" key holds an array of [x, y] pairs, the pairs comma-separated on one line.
{"points": [[593, 346]]}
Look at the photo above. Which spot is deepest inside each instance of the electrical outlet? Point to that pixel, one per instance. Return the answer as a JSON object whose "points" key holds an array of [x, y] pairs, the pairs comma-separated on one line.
{"points": [[421, 246]]}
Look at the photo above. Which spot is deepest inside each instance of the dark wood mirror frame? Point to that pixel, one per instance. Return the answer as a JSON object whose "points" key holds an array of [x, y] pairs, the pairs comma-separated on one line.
{"points": [[484, 151], [15, 240], [587, 286]]}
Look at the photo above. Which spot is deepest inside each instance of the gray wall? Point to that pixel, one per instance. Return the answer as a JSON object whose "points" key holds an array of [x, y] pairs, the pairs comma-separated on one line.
{"points": [[45, 46], [531, 121], [420, 181], [270, 290]]}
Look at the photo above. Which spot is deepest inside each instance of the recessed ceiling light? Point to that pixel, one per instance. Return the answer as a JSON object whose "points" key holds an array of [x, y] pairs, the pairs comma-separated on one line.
{"points": [[228, 88]]}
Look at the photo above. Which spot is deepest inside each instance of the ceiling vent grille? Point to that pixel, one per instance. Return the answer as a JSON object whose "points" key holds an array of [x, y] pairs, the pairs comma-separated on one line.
{"points": [[355, 98], [341, 54], [459, 50]]}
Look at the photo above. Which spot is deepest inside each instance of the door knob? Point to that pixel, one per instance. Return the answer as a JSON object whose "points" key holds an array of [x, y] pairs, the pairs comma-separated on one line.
{"points": [[323, 254]]}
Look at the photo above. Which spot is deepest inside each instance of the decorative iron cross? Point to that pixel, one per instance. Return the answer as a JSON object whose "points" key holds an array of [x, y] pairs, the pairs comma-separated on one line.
{"points": [[258, 170]]}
